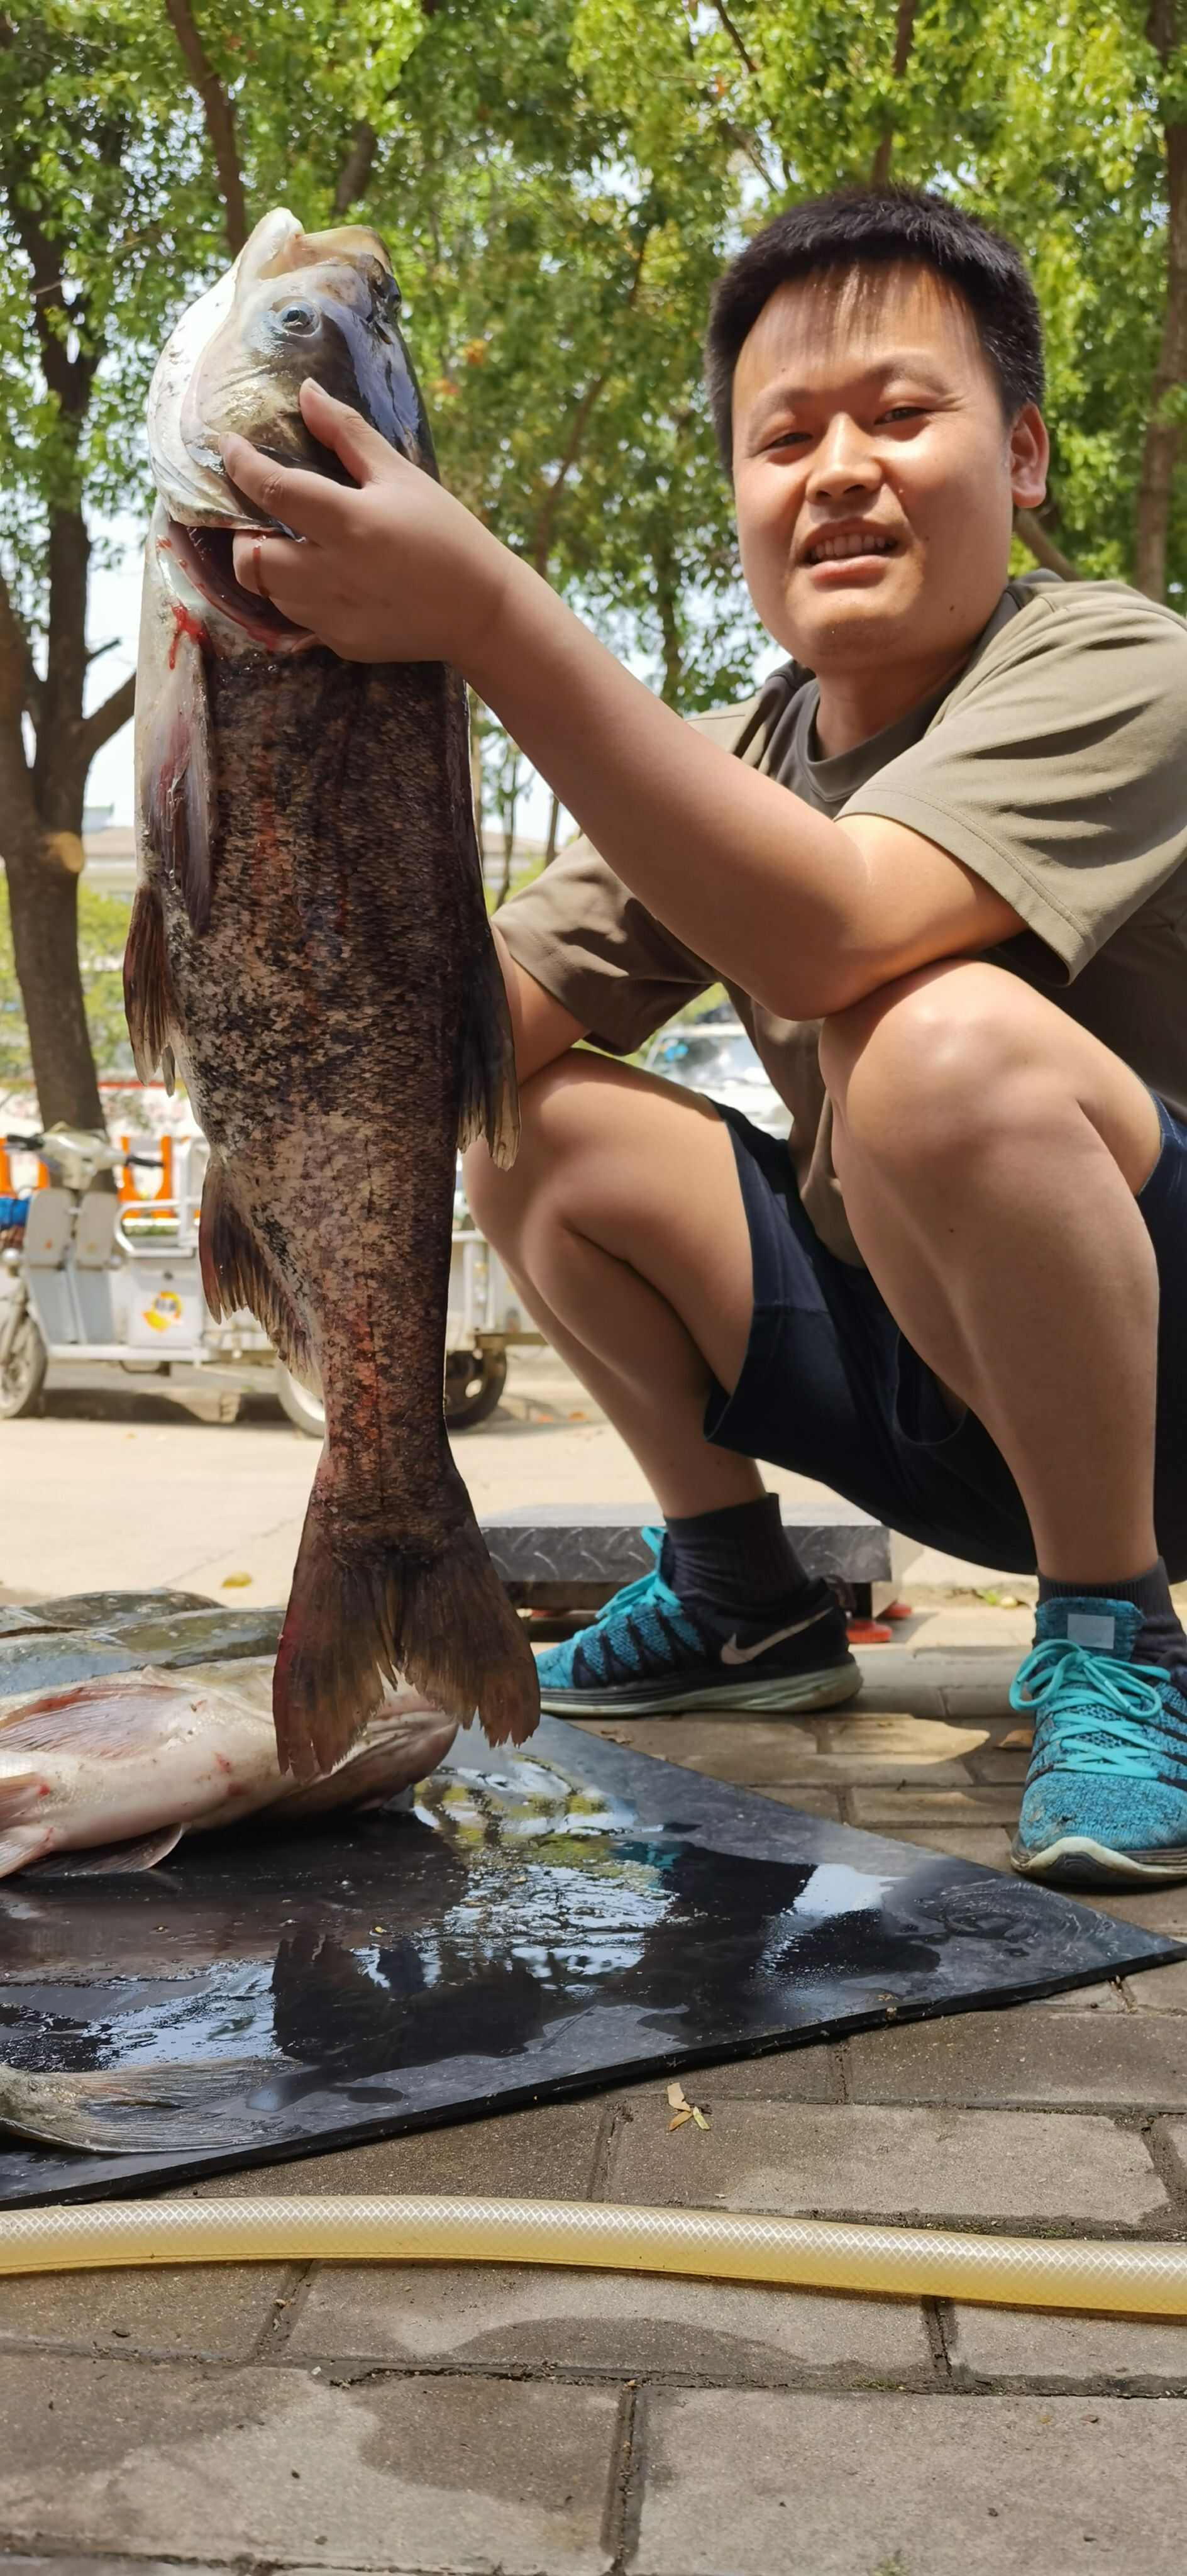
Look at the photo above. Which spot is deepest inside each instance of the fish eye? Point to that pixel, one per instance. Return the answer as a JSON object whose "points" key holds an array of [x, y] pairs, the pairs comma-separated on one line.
{"points": [[298, 317]]}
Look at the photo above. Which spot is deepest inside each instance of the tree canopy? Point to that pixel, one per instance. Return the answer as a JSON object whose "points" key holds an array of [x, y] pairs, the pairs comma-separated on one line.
{"points": [[559, 181]]}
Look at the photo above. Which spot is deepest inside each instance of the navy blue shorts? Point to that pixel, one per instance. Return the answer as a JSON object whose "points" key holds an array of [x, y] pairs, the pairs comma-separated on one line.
{"points": [[831, 1387]]}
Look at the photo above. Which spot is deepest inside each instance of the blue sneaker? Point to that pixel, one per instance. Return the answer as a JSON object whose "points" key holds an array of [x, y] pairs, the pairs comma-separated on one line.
{"points": [[648, 1653], [1106, 1793]]}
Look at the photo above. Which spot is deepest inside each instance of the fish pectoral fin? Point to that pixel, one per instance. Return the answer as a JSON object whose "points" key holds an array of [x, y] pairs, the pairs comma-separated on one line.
{"points": [[489, 1103], [20, 1844], [179, 781], [115, 1860], [148, 1000], [236, 1271], [19, 1795]]}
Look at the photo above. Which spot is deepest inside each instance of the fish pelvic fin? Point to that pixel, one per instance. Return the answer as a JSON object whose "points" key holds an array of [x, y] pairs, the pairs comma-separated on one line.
{"points": [[361, 1614], [489, 1096], [148, 1001], [236, 1271]]}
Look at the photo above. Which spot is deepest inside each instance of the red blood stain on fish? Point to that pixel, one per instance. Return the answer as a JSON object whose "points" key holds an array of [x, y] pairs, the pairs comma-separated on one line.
{"points": [[222, 1762], [184, 623]]}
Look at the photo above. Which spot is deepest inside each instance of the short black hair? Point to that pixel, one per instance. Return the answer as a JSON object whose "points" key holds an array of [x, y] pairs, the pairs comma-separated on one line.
{"points": [[893, 226]]}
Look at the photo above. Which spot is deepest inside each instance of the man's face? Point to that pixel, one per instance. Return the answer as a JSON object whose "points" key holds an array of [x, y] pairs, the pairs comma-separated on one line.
{"points": [[874, 474]]}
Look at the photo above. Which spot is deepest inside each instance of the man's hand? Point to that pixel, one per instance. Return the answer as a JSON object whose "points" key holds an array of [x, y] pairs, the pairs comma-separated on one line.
{"points": [[394, 571]]}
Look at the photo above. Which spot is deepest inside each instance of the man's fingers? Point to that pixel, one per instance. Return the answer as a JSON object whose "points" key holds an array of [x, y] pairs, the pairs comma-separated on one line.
{"points": [[351, 438], [306, 502], [264, 564]]}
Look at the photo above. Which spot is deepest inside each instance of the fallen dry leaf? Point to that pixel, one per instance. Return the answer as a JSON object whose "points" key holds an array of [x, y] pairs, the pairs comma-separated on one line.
{"points": [[233, 1582]]}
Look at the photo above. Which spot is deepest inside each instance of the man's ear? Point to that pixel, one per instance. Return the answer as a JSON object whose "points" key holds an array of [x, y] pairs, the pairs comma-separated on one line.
{"points": [[1030, 450]]}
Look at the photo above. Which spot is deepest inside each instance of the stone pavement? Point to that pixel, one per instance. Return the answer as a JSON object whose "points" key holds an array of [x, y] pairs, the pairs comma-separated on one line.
{"points": [[474, 2422]]}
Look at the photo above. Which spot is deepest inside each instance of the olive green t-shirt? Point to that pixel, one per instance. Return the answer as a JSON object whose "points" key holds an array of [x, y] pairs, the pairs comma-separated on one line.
{"points": [[1055, 766]]}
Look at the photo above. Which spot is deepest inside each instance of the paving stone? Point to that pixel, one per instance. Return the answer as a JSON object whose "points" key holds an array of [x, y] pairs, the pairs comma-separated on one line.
{"points": [[810, 2072], [815, 2485], [969, 1700], [1025, 2057], [755, 1753], [897, 2163], [547, 2153], [987, 1845], [886, 1809], [986, 1628], [998, 1762], [808, 1800], [1030, 2343], [1159, 1990], [523, 2318], [213, 2309], [1162, 1909], [896, 1736], [282, 2466]]}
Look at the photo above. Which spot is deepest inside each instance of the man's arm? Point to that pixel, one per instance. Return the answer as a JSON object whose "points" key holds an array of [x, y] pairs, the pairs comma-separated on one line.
{"points": [[542, 1028], [805, 914]]}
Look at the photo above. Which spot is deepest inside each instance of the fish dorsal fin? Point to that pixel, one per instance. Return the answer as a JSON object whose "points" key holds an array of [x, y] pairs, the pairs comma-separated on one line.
{"points": [[489, 1104]]}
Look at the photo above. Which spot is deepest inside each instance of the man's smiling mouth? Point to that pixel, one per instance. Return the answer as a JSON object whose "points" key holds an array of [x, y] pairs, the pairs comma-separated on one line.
{"points": [[854, 541]]}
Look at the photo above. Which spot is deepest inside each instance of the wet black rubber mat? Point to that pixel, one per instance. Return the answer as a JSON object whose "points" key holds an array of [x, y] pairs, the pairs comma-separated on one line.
{"points": [[542, 1924]]}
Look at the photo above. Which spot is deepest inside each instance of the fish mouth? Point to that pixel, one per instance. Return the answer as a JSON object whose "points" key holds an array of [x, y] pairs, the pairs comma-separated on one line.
{"points": [[205, 554]]}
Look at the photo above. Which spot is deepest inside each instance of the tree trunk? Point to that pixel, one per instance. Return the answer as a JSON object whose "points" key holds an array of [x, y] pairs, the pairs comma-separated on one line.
{"points": [[508, 801], [1165, 28], [669, 627], [43, 900], [554, 816], [904, 38]]}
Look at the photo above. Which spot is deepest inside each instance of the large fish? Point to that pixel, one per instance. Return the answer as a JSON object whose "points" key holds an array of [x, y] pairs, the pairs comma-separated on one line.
{"points": [[123, 1766], [309, 949]]}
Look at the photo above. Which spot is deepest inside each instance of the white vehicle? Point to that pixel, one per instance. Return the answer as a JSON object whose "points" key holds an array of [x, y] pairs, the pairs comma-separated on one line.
{"points": [[717, 1057], [89, 1276]]}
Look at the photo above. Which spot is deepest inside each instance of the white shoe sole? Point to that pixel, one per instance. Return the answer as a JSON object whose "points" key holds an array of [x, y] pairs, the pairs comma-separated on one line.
{"points": [[828, 1689], [1079, 1861]]}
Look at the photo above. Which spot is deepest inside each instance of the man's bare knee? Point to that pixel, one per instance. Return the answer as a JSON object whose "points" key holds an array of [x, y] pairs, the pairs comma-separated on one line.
{"points": [[932, 1069]]}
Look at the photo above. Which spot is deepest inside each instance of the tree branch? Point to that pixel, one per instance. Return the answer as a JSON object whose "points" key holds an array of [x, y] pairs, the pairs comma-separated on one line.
{"points": [[104, 721], [546, 515], [356, 169], [1043, 547], [735, 39], [904, 38], [220, 121]]}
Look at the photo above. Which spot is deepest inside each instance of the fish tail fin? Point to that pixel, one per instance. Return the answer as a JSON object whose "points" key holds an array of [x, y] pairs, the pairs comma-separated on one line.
{"points": [[489, 1103], [363, 1614]]}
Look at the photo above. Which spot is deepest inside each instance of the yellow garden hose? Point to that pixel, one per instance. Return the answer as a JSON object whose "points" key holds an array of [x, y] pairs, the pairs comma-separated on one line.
{"points": [[1136, 2278]]}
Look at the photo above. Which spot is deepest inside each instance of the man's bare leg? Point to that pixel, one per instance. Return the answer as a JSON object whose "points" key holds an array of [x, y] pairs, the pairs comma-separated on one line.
{"points": [[623, 1225], [989, 1151], [621, 1222]]}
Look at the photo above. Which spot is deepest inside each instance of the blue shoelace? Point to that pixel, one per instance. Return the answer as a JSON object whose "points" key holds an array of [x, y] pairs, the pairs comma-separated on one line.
{"points": [[645, 1621], [1094, 1713]]}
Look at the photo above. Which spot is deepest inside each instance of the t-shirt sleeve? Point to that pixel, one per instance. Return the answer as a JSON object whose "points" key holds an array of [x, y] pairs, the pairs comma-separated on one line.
{"points": [[1058, 770], [599, 951]]}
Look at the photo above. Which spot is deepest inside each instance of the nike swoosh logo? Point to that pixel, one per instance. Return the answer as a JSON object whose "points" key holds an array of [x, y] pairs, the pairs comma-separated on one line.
{"points": [[733, 1653]]}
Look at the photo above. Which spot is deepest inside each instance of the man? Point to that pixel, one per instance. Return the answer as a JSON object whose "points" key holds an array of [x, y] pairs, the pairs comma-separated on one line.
{"points": [[939, 864]]}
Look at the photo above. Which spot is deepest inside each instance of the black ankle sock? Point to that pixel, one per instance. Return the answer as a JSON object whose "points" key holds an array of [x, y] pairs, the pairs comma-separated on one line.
{"points": [[1161, 1639], [737, 1559]]}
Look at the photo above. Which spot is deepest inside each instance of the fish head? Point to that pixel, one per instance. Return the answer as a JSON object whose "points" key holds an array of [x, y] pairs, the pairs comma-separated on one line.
{"points": [[295, 304]]}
